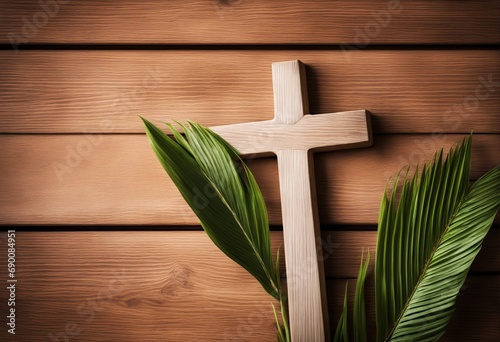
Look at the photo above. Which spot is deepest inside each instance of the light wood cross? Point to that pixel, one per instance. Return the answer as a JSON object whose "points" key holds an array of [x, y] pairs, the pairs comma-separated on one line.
{"points": [[292, 135]]}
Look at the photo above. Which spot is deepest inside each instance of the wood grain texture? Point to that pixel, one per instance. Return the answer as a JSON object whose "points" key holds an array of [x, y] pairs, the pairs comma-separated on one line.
{"points": [[104, 91], [252, 22], [106, 284], [342, 251], [175, 285], [305, 276], [341, 248], [320, 132], [116, 179], [210, 61]]}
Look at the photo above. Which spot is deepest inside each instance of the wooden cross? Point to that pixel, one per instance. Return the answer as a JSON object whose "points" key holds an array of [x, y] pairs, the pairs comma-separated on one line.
{"points": [[292, 135]]}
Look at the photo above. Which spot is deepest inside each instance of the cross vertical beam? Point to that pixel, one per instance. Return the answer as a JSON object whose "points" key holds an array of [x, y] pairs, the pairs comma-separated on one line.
{"points": [[308, 310]]}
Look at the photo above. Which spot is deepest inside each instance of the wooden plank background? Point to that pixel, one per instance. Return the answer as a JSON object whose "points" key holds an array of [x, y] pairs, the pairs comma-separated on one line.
{"points": [[102, 285], [418, 91], [252, 22], [113, 253], [120, 181]]}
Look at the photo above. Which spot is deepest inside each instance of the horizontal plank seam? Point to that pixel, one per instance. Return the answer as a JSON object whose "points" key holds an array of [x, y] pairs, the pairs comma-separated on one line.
{"points": [[370, 275], [270, 47], [166, 228], [140, 133]]}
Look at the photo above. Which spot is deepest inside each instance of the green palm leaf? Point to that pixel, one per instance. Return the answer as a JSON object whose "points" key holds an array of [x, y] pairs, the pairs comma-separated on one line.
{"points": [[342, 332], [359, 311], [224, 195], [427, 241]]}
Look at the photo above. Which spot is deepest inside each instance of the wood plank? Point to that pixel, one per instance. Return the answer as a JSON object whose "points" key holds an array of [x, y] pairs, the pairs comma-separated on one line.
{"points": [[116, 179], [353, 181], [104, 91], [152, 285], [341, 249], [106, 285], [342, 252], [252, 22]]}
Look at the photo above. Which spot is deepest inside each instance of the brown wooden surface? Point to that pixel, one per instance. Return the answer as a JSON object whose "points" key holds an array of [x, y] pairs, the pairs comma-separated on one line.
{"points": [[93, 66], [342, 251], [104, 91], [256, 22], [147, 285], [120, 181]]}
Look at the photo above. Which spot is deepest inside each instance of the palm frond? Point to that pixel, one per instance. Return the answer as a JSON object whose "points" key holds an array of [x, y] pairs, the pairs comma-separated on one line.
{"points": [[359, 311], [428, 237], [224, 195], [342, 332], [283, 329]]}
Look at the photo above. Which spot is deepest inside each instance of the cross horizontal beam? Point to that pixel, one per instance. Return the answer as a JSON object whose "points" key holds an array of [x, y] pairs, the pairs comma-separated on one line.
{"points": [[321, 132]]}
